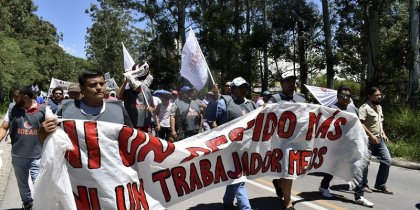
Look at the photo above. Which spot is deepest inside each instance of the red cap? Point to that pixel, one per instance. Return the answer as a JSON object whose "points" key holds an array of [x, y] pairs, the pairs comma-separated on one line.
{"points": [[174, 92]]}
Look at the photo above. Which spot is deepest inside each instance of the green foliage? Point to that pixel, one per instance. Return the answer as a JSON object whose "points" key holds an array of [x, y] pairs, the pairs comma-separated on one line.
{"points": [[402, 127]]}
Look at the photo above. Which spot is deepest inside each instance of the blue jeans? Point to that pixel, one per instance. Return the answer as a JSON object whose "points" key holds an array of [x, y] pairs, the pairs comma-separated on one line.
{"points": [[358, 190], [23, 167], [238, 190], [382, 154]]}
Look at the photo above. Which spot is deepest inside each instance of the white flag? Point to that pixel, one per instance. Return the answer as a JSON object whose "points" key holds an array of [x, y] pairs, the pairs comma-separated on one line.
{"points": [[194, 66], [324, 96], [128, 60]]}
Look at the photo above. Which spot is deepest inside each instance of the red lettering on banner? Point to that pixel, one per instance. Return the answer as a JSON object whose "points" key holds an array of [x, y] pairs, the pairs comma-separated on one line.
{"points": [[256, 163], [219, 171], [321, 152], [275, 160], [178, 175], [238, 168], [161, 176], [290, 117], [140, 195], [137, 196], [92, 145], [236, 134], [85, 201], [194, 153], [338, 132], [156, 146], [322, 131], [206, 174], [266, 162], [245, 166], [128, 156], [195, 181], [213, 143], [271, 119], [72, 156], [258, 127], [299, 158]]}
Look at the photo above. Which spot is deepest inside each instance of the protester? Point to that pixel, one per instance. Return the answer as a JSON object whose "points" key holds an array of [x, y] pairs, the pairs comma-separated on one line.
{"points": [[39, 99], [57, 98], [185, 117], [74, 91], [174, 96], [227, 90], [156, 102], [343, 104], [283, 186], [163, 127], [230, 108], [23, 122], [266, 95], [372, 118], [137, 97]]}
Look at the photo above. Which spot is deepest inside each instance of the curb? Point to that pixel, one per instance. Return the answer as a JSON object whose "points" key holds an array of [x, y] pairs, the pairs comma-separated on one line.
{"points": [[400, 163]]}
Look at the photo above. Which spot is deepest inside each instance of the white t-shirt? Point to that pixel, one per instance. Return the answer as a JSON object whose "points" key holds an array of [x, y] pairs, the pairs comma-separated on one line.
{"points": [[164, 115], [156, 102]]}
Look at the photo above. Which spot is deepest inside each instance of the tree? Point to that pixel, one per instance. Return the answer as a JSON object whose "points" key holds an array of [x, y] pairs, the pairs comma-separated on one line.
{"points": [[414, 79], [328, 46]]}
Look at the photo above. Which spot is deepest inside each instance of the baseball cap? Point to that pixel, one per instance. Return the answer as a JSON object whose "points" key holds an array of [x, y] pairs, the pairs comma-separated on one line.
{"points": [[186, 88], [288, 75], [174, 92], [238, 81], [73, 87], [266, 93]]}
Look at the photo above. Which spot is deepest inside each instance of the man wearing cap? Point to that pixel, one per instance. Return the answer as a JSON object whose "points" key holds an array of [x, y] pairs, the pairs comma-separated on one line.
{"points": [[230, 108], [74, 91], [185, 116], [283, 186], [174, 96], [137, 98]]}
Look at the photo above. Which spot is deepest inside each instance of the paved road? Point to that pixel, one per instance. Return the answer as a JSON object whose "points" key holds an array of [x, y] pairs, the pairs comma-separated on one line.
{"points": [[404, 182]]}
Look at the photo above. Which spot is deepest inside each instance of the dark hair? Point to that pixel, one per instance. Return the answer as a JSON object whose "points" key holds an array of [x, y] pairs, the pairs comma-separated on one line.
{"points": [[343, 88], [371, 90], [89, 74], [57, 88], [27, 90]]}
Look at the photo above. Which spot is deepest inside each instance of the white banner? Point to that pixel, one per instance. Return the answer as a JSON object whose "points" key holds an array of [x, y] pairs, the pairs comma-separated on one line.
{"points": [[58, 83], [111, 84], [194, 66], [117, 167]]}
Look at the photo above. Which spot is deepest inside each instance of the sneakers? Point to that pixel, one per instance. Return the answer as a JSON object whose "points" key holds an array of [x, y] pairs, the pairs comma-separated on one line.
{"points": [[384, 189], [367, 189], [364, 202], [279, 191], [325, 193]]}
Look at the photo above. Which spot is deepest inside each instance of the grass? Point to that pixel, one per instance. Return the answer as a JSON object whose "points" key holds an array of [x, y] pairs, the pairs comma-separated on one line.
{"points": [[402, 125]]}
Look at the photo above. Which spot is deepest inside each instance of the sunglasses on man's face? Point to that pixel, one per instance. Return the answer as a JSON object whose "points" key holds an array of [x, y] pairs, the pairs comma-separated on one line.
{"points": [[345, 96]]}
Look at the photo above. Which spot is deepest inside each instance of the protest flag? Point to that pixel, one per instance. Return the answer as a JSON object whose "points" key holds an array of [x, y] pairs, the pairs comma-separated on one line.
{"points": [[128, 60], [194, 67]]}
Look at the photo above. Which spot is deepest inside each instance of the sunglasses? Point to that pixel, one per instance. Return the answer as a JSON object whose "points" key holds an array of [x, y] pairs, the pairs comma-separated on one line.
{"points": [[345, 96]]}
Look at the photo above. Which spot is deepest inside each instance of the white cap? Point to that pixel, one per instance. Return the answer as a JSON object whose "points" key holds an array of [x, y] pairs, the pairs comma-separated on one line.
{"points": [[238, 81]]}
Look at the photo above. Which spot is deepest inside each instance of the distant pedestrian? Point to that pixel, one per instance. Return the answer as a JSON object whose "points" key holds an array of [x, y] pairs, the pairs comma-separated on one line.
{"points": [[57, 98], [372, 118], [74, 91], [163, 127]]}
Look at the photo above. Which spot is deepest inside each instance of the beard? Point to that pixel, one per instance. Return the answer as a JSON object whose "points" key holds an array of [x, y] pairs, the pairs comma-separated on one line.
{"points": [[376, 102]]}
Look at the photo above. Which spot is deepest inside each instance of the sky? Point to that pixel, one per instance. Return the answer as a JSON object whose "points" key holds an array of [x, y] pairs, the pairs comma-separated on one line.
{"points": [[70, 19]]}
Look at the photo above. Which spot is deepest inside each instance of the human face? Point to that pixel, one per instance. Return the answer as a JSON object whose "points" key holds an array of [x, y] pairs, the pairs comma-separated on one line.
{"points": [[288, 86], [74, 95], [375, 98], [227, 88], [240, 91], [58, 95], [94, 90], [344, 98], [19, 101]]}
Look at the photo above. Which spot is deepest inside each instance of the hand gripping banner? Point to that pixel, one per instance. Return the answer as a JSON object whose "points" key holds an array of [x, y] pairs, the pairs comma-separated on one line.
{"points": [[112, 166]]}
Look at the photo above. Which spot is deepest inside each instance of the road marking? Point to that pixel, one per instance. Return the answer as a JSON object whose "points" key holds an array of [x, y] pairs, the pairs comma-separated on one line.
{"points": [[264, 184]]}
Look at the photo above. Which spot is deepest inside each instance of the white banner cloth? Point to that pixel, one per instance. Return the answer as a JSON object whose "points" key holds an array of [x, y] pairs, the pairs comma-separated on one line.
{"points": [[117, 167], [194, 66], [58, 83]]}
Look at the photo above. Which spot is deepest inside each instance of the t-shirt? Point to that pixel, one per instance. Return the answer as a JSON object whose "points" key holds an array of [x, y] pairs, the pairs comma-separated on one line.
{"points": [[164, 114]]}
